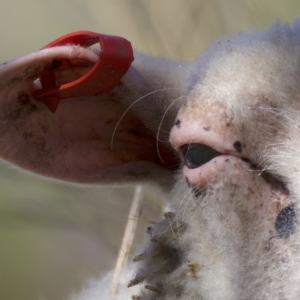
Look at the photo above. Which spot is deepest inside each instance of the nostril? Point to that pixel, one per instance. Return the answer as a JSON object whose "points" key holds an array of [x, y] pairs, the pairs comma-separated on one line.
{"points": [[196, 155]]}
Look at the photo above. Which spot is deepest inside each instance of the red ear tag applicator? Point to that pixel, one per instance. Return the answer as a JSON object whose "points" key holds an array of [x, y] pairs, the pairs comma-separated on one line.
{"points": [[115, 58]]}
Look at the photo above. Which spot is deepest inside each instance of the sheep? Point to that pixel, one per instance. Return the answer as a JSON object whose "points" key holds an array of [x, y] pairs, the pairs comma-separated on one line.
{"points": [[217, 137]]}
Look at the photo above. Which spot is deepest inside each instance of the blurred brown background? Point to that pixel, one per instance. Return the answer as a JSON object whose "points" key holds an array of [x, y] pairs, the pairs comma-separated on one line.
{"points": [[53, 236]]}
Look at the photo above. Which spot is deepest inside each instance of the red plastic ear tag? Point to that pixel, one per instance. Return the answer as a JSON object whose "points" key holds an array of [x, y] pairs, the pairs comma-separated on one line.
{"points": [[115, 58]]}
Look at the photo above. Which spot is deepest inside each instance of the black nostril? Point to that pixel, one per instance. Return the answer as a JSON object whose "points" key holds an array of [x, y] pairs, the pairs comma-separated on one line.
{"points": [[285, 222], [196, 155]]}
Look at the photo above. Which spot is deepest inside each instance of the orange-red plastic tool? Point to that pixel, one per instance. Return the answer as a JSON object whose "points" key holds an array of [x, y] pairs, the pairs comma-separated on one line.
{"points": [[115, 58]]}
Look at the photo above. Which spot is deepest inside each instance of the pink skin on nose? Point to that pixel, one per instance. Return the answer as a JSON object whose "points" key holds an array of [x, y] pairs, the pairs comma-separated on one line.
{"points": [[265, 194], [213, 132]]}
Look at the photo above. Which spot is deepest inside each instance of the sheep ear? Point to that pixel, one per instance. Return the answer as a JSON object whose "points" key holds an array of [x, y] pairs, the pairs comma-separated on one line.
{"points": [[93, 139]]}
